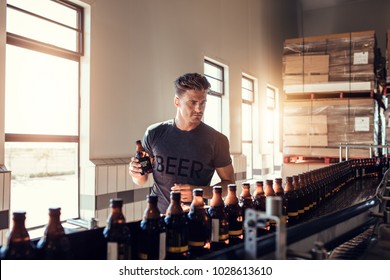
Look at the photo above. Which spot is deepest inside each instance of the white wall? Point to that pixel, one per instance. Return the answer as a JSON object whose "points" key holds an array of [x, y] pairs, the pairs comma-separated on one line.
{"points": [[139, 47]]}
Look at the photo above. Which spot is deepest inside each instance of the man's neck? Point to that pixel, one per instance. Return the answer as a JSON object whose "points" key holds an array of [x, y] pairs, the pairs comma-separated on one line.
{"points": [[184, 125]]}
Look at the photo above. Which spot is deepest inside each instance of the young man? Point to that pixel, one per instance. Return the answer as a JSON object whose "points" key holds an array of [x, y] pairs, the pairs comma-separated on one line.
{"points": [[185, 151]]}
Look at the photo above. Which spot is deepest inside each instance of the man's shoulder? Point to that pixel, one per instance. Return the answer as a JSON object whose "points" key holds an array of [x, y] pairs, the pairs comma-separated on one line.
{"points": [[160, 125], [212, 131]]}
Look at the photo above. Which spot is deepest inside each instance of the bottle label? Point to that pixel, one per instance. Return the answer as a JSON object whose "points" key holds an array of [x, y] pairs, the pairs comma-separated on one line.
{"points": [[162, 251], [118, 251], [235, 232], [219, 231], [196, 243], [181, 249], [112, 251], [214, 230]]}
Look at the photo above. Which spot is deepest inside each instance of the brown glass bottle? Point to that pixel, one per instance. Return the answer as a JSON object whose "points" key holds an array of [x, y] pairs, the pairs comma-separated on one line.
{"points": [[19, 245], [234, 215], [291, 198], [246, 199], [219, 221], [269, 191], [143, 159], [177, 229], [279, 191], [55, 244], [199, 225], [300, 195], [152, 245], [117, 233], [259, 197]]}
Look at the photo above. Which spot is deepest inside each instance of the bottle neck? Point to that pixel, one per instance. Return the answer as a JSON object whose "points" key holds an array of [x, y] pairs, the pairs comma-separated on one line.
{"points": [[245, 192], [197, 202], [216, 200], [269, 191], [174, 208], [231, 198], [151, 212], [54, 227]]}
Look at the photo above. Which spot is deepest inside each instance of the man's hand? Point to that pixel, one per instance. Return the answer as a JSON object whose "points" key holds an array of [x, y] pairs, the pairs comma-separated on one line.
{"points": [[185, 191], [135, 168]]}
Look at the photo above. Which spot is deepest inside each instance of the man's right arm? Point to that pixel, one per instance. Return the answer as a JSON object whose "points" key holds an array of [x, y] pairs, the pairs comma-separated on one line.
{"points": [[135, 172]]}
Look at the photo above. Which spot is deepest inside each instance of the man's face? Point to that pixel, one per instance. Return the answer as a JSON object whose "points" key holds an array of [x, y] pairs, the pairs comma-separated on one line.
{"points": [[191, 105]]}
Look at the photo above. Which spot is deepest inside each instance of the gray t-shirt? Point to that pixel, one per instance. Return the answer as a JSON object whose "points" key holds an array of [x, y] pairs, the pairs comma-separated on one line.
{"points": [[183, 157]]}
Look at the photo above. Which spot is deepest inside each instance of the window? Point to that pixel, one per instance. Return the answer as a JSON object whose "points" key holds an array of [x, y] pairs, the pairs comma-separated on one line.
{"points": [[247, 95], [44, 46], [213, 113], [272, 127]]}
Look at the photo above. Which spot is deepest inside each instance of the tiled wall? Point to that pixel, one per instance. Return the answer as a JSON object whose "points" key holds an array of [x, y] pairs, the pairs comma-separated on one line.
{"points": [[5, 190], [107, 179]]}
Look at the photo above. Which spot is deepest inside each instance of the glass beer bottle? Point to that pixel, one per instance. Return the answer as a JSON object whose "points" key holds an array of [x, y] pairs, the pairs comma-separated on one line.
{"points": [[54, 245], [19, 245], [199, 225], [117, 233], [219, 220], [234, 215], [177, 229], [245, 199], [259, 197], [152, 245], [143, 158]]}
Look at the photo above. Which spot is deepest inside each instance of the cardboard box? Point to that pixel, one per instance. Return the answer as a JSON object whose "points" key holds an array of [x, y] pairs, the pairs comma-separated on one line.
{"points": [[348, 57]]}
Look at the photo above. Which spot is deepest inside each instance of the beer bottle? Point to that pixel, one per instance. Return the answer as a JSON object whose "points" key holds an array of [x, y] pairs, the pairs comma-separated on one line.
{"points": [[177, 229], [279, 191], [54, 245], [245, 199], [304, 189], [291, 202], [117, 233], [219, 220], [301, 197], [199, 225], [19, 245], [143, 158], [259, 197], [269, 191], [234, 215], [152, 245]]}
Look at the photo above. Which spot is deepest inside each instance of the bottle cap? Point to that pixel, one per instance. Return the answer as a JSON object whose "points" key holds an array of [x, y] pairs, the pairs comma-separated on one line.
{"points": [[151, 198], [232, 187], [198, 192], [217, 189], [175, 195], [116, 202]]}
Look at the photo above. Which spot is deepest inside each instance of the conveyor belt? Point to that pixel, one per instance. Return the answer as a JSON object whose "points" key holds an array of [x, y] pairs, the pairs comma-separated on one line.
{"points": [[355, 248], [343, 223]]}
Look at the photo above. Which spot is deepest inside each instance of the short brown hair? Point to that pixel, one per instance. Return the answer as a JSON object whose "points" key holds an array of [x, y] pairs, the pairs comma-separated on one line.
{"points": [[192, 81]]}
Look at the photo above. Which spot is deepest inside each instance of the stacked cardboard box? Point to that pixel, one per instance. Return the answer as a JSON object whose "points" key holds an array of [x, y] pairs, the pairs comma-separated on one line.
{"points": [[346, 57], [317, 127]]}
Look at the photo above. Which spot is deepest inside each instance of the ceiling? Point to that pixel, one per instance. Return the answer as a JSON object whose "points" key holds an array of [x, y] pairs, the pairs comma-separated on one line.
{"points": [[319, 4]]}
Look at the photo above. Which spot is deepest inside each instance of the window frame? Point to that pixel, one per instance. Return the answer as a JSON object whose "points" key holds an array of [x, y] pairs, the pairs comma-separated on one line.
{"points": [[249, 102], [45, 48]]}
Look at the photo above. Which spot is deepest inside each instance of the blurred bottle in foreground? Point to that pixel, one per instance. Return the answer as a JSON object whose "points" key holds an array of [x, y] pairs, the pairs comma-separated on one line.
{"points": [[19, 245], [117, 233], [54, 245]]}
